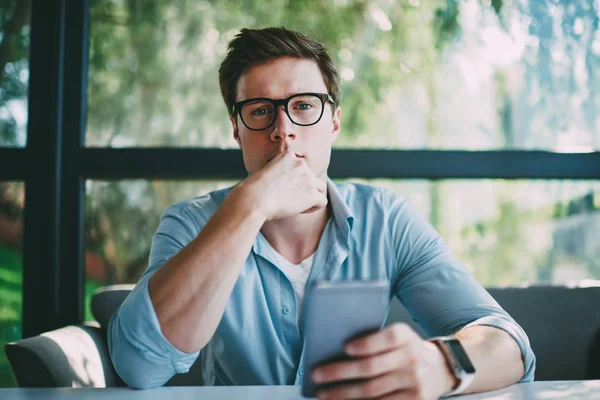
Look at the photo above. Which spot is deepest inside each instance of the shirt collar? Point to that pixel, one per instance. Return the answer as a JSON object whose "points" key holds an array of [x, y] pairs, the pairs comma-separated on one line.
{"points": [[341, 213]]}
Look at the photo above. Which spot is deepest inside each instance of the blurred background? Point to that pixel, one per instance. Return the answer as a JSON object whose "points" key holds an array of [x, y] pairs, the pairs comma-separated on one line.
{"points": [[416, 74]]}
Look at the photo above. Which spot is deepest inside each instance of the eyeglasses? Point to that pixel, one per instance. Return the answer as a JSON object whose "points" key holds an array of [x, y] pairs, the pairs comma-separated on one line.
{"points": [[302, 109]]}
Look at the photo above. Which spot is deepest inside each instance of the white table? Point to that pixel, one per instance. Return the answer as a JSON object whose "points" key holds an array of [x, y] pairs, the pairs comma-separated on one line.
{"points": [[524, 391]]}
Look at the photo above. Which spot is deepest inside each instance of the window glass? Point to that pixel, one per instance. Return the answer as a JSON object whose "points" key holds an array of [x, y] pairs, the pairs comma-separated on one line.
{"points": [[14, 71], [415, 74], [514, 232], [120, 220], [12, 200], [508, 233]]}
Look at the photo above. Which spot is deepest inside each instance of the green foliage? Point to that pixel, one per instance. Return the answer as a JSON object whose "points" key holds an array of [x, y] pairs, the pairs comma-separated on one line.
{"points": [[497, 4], [14, 51], [160, 67], [446, 23], [11, 303], [119, 227]]}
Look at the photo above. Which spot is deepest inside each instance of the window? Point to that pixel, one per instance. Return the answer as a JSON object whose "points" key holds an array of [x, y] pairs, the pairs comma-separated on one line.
{"points": [[513, 233], [415, 74], [431, 76], [120, 220], [14, 72], [12, 198], [14, 84], [508, 233]]}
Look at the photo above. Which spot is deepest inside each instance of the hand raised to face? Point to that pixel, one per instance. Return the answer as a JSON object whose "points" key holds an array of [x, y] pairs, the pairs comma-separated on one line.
{"points": [[286, 186]]}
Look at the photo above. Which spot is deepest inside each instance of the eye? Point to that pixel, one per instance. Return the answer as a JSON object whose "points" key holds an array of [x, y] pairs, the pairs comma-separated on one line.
{"points": [[305, 103], [260, 111], [303, 106]]}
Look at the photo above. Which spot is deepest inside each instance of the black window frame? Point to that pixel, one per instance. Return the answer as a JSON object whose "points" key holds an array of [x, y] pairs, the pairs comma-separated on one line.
{"points": [[55, 164]]}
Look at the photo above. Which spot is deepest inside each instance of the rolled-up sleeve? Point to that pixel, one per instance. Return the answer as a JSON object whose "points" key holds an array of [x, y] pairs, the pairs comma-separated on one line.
{"points": [[441, 294], [508, 325], [140, 353]]}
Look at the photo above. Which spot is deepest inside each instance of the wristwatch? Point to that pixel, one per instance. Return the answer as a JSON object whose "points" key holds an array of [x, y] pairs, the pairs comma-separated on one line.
{"points": [[458, 361]]}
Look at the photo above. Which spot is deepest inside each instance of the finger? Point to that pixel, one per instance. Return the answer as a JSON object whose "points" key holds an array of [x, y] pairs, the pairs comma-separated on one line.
{"points": [[285, 154], [279, 160], [311, 210], [394, 336], [321, 202], [289, 157], [321, 185], [364, 367], [372, 388], [319, 197]]}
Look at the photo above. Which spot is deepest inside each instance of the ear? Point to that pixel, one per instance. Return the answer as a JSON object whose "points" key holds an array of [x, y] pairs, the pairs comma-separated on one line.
{"points": [[236, 134], [337, 123]]}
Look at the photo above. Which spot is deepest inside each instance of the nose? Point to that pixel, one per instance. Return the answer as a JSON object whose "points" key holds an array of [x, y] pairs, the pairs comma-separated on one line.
{"points": [[283, 127]]}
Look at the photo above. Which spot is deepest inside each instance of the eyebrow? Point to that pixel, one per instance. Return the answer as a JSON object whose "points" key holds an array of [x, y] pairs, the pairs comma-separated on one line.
{"points": [[286, 96]]}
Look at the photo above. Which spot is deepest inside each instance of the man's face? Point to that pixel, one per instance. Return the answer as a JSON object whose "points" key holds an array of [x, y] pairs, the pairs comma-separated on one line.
{"points": [[279, 79]]}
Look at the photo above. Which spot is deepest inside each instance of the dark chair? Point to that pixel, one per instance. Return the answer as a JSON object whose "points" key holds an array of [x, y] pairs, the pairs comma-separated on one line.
{"points": [[563, 325]]}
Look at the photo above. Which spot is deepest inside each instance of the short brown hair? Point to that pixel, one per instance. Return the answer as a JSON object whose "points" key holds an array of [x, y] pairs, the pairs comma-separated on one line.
{"points": [[255, 46]]}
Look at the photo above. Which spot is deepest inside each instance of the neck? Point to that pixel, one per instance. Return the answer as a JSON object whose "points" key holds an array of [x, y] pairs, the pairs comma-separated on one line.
{"points": [[296, 237]]}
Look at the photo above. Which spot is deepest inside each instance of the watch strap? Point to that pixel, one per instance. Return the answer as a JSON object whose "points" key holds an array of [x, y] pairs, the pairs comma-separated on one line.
{"points": [[464, 380]]}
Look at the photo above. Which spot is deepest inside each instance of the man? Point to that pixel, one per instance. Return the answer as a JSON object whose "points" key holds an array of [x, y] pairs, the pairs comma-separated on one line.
{"points": [[228, 270]]}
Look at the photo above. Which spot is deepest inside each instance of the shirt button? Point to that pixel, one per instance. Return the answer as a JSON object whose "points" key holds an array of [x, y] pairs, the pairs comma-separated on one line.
{"points": [[286, 310], [301, 371]]}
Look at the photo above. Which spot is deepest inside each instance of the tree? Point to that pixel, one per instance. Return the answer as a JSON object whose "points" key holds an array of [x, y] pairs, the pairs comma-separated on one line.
{"points": [[14, 66]]}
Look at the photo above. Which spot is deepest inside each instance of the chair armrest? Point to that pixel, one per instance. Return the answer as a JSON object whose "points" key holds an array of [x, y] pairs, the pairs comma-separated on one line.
{"points": [[73, 356]]}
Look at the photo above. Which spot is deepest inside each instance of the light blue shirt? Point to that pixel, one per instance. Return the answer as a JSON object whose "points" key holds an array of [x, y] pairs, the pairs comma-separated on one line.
{"points": [[373, 234]]}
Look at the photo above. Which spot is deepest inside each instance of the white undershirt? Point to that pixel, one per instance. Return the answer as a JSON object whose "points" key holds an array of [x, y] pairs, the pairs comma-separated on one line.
{"points": [[298, 275]]}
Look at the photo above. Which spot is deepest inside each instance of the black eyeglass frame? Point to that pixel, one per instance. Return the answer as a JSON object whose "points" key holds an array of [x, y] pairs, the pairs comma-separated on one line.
{"points": [[324, 97]]}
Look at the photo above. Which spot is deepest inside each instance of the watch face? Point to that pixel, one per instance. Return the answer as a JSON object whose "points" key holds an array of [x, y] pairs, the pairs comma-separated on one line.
{"points": [[461, 357]]}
